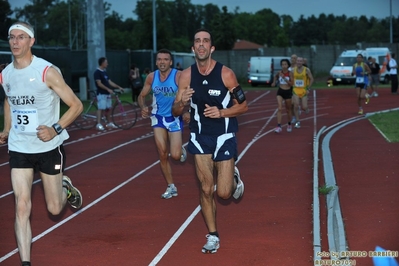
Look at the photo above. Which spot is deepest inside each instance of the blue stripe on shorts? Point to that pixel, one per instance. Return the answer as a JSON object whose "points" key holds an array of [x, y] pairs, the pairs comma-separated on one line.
{"points": [[170, 123]]}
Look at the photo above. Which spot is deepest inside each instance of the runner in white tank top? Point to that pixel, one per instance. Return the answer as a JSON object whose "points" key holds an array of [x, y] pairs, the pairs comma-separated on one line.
{"points": [[35, 132]]}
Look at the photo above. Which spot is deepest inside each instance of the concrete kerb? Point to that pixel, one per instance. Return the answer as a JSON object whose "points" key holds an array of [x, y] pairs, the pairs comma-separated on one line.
{"points": [[316, 201], [335, 225]]}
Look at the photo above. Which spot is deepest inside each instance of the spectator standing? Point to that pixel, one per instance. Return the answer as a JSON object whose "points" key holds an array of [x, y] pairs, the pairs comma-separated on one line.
{"points": [[375, 77], [136, 83], [145, 73], [104, 91], [393, 73]]}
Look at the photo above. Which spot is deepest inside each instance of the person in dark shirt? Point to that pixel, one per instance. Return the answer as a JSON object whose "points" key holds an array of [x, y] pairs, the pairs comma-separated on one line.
{"points": [[375, 77], [104, 87], [215, 99]]}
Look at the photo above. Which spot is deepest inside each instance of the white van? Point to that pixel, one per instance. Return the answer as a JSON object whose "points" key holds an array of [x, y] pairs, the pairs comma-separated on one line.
{"points": [[382, 55], [260, 70], [341, 72]]}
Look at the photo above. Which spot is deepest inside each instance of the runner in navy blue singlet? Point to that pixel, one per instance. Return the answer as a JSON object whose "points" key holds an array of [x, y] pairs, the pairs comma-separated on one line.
{"points": [[216, 99]]}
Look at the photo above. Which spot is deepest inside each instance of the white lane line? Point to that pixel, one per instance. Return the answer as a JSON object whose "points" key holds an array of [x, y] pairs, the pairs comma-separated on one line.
{"points": [[49, 230], [93, 157]]}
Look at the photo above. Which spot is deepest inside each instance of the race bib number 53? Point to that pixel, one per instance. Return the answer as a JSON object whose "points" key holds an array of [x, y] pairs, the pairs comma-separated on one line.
{"points": [[25, 121]]}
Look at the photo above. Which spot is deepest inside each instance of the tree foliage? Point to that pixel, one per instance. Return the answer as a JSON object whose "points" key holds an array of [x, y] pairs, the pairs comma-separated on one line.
{"points": [[63, 23]]}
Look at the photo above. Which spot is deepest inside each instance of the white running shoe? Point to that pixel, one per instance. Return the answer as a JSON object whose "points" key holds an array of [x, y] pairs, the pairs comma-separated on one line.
{"points": [[111, 125], [183, 156], [289, 128], [212, 244], [100, 127], [278, 129], [170, 192], [293, 121], [298, 124], [240, 185]]}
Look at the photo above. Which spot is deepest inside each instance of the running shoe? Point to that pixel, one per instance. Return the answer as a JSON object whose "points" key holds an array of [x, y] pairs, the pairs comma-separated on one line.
{"points": [[289, 128], [212, 244], [111, 125], [100, 127], [74, 196], [367, 98], [278, 129], [293, 121], [240, 185], [360, 111], [183, 156], [375, 94], [170, 192], [298, 124]]}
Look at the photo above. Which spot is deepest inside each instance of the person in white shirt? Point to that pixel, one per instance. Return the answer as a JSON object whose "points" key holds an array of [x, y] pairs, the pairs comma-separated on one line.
{"points": [[393, 72], [35, 132]]}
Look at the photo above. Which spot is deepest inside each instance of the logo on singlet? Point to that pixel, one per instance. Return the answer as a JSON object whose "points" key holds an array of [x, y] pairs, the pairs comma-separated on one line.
{"points": [[22, 100], [205, 82], [212, 92], [165, 90]]}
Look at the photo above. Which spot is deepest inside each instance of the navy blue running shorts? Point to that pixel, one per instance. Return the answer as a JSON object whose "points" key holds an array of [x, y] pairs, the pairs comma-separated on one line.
{"points": [[222, 148], [362, 86], [51, 162]]}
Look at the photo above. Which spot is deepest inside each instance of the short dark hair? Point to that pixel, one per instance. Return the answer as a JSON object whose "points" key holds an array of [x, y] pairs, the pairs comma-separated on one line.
{"points": [[101, 60], [203, 29], [285, 60], [165, 51]]}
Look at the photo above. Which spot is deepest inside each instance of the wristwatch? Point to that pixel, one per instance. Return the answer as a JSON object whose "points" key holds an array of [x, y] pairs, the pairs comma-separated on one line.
{"points": [[58, 129]]}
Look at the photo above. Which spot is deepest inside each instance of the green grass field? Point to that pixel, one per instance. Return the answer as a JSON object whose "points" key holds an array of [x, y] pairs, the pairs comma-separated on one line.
{"points": [[388, 124]]}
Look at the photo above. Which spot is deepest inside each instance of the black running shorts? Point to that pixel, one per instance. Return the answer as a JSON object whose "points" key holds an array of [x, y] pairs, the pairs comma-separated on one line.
{"points": [[51, 162]]}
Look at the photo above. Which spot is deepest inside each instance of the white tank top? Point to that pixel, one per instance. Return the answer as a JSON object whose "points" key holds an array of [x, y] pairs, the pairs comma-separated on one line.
{"points": [[32, 104]]}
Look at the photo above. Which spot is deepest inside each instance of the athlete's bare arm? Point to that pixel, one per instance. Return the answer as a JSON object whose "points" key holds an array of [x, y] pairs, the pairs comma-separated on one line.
{"points": [[230, 81], [143, 94], [184, 92]]}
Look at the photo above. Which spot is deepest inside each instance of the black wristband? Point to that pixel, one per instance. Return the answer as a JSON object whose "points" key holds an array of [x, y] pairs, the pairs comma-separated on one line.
{"points": [[58, 129]]}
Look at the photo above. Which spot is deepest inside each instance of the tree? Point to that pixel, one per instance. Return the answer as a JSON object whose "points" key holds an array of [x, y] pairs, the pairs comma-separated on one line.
{"points": [[223, 31], [36, 14], [5, 13]]}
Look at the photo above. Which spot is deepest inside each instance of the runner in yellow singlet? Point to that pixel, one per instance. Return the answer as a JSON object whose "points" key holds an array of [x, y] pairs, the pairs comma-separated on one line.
{"points": [[302, 81]]}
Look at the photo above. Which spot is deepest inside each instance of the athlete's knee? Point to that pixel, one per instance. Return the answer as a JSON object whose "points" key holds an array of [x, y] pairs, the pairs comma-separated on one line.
{"points": [[224, 193], [163, 155], [23, 207], [175, 155], [206, 191], [54, 207]]}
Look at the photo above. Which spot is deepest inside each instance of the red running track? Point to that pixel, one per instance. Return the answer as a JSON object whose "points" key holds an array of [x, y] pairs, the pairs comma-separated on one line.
{"points": [[125, 221]]}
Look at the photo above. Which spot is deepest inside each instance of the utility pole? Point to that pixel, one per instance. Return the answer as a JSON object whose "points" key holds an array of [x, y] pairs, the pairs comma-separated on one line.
{"points": [[154, 33], [390, 22]]}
